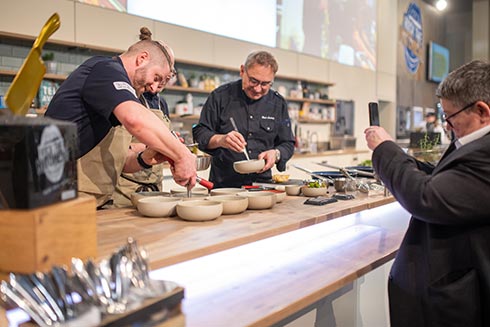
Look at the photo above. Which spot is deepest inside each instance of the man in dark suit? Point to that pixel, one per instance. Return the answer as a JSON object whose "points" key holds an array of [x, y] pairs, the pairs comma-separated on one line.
{"points": [[441, 274]]}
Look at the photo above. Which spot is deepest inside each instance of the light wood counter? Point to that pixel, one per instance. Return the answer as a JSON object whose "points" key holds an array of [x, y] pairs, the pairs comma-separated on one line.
{"points": [[172, 240]]}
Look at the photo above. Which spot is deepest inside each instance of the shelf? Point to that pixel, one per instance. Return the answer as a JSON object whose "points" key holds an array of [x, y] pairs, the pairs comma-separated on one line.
{"points": [[55, 77], [315, 121], [175, 117], [319, 101], [185, 89]]}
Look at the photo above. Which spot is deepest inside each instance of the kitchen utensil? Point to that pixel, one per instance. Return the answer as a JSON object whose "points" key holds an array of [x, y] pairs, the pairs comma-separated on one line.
{"points": [[293, 189], [7, 293], [361, 186], [158, 206], [199, 210], [228, 191], [203, 162], [323, 178], [207, 184], [313, 191], [260, 200], [27, 81], [359, 172], [236, 130], [248, 166], [232, 204]]}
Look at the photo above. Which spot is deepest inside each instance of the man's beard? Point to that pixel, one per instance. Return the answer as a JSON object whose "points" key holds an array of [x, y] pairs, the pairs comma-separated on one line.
{"points": [[139, 82]]}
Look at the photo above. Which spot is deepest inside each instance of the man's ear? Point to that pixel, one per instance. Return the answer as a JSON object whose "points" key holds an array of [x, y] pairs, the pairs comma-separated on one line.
{"points": [[484, 111], [142, 58]]}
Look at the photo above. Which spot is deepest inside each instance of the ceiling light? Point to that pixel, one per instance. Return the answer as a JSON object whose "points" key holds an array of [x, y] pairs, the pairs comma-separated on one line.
{"points": [[441, 5]]}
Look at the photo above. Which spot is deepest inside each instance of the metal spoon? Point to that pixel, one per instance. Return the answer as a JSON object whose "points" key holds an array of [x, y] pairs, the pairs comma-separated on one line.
{"points": [[236, 130]]}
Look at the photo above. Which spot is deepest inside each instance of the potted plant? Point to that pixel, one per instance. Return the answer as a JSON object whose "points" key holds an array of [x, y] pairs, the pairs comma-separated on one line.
{"points": [[51, 65], [429, 150]]}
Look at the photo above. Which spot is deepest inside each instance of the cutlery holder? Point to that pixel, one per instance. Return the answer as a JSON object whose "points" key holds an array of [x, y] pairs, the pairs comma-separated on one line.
{"points": [[35, 240]]}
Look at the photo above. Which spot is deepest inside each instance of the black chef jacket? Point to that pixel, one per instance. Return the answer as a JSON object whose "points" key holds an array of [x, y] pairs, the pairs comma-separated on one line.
{"points": [[89, 95], [264, 123]]}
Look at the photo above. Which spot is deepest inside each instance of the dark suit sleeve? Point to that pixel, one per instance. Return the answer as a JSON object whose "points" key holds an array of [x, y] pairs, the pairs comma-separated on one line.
{"points": [[455, 194]]}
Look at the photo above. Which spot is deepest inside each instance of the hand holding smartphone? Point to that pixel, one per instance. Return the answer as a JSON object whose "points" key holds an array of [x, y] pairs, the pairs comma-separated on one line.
{"points": [[373, 114]]}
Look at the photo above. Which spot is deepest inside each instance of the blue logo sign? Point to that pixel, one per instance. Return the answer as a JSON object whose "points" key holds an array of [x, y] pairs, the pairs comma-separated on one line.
{"points": [[412, 37]]}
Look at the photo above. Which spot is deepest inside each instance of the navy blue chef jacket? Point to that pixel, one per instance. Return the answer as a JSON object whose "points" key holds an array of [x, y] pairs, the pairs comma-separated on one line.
{"points": [[88, 97], [264, 123]]}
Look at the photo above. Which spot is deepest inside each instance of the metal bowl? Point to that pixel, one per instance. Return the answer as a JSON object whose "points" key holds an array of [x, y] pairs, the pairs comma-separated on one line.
{"points": [[203, 162]]}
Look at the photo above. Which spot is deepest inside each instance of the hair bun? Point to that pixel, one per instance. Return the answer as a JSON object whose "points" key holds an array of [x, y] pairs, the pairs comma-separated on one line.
{"points": [[145, 33]]}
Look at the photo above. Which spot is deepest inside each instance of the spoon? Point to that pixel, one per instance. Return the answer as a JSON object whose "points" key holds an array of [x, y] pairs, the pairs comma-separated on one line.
{"points": [[236, 130]]}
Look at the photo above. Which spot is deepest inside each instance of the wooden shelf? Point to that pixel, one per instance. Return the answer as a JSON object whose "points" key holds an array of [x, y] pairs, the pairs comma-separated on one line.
{"points": [[319, 101], [55, 77], [315, 121], [176, 117], [185, 89]]}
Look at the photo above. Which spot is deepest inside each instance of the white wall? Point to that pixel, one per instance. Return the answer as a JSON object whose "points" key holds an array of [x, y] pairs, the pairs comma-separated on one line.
{"points": [[94, 26]]}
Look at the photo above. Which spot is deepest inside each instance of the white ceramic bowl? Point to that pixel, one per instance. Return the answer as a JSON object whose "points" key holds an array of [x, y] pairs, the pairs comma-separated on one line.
{"points": [[194, 196], [260, 200], [248, 166], [228, 190], [158, 206], [232, 204], [313, 191], [199, 210], [135, 196], [293, 189], [280, 195], [195, 190]]}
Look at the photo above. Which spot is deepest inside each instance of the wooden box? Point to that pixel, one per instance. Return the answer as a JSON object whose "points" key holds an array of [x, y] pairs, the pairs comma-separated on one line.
{"points": [[36, 239]]}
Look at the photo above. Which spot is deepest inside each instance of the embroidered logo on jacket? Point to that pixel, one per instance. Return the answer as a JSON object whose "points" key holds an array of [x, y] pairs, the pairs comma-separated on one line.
{"points": [[124, 86]]}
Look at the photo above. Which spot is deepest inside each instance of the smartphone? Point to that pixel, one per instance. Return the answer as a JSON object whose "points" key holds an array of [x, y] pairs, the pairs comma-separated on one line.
{"points": [[373, 114]]}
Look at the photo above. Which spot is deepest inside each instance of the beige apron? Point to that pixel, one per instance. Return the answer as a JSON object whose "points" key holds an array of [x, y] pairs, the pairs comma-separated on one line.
{"points": [[99, 169], [128, 183]]}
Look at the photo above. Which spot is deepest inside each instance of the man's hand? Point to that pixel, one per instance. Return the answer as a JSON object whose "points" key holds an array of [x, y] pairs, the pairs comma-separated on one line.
{"points": [[270, 159], [233, 141], [376, 135]]}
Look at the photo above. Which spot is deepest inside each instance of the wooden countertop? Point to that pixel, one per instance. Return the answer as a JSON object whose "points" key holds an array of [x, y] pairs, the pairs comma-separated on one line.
{"points": [[172, 240], [267, 282]]}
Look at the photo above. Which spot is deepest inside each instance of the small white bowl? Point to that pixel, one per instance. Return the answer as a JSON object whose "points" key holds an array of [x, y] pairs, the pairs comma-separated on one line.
{"points": [[249, 166], [313, 191], [199, 210], [232, 204], [280, 195], [293, 189], [158, 206], [260, 200], [135, 196], [228, 191], [195, 190]]}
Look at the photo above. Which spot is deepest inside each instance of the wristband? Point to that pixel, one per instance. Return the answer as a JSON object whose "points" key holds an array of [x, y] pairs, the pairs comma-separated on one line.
{"points": [[141, 162]]}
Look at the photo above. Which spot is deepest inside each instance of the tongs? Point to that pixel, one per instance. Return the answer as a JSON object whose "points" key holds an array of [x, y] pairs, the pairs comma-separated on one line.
{"points": [[357, 171], [323, 178]]}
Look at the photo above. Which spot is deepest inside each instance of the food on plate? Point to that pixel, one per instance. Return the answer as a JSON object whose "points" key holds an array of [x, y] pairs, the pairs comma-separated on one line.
{"points": [[280, 178], [316, 184]]}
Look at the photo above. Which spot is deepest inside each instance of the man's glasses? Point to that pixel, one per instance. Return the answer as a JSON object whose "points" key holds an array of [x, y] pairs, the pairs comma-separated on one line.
{"points": [[446, 118], [254, 82]]}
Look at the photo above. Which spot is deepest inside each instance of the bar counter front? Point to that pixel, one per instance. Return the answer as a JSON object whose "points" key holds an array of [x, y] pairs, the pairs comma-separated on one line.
{"points": [[262, 267]]}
